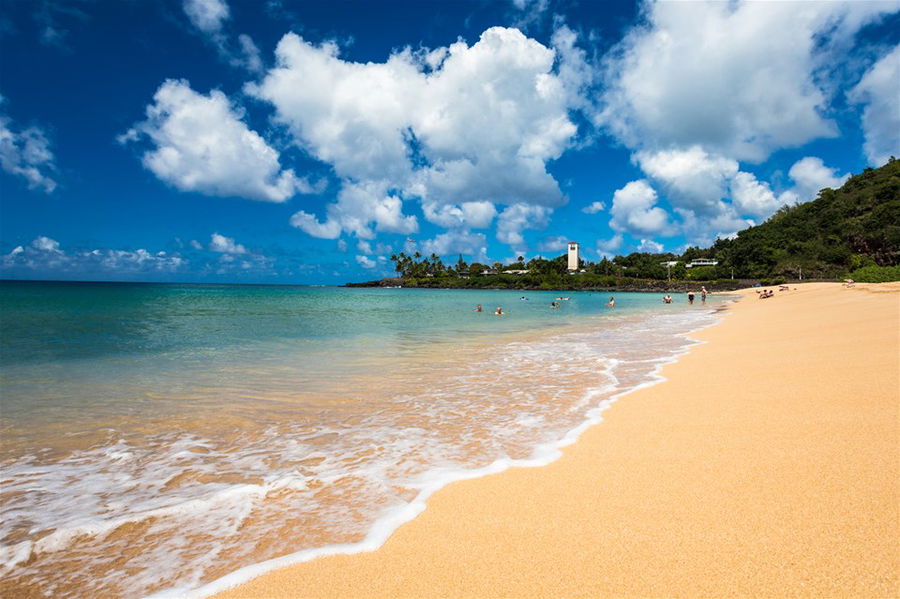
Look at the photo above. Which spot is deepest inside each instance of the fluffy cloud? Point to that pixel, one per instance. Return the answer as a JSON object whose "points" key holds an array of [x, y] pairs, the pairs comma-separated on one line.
{"points": [[207, 15], [203, 145], [518, 217], [553, 244], [225, 245], [605, 247], [648, 245], [457, 242], [44, 255], [27, 154], [594, 208], [366, 262], [359, 207], [739, 78], [751, 196], [45, 244], [461, 128], [712, 196], [880, 91], [477, 215], [811, 175], [692, 178], [634, 210]]}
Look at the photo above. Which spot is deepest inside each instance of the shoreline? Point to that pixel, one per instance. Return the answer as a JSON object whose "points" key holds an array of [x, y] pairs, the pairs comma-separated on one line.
{"points": [[630, 529]]}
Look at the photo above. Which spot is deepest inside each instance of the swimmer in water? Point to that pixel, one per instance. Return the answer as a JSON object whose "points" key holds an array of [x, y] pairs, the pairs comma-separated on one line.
{"points": [[498, 311], [611, 303]]}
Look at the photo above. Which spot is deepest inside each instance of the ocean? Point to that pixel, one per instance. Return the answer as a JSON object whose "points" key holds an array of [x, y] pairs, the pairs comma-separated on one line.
{"points": [[166, 440]]}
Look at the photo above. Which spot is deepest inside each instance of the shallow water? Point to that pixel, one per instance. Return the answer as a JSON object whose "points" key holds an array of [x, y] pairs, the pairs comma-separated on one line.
{"points": [[158, 437]]}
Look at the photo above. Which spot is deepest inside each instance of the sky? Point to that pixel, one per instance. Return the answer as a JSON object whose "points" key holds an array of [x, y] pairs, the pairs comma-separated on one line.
{"points": [[273, 141]]}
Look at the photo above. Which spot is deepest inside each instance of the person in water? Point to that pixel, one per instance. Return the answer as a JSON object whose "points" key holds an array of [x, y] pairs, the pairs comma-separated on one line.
{"points": [[498, 311], [667, 299], [703, 294], [611, 303], [478, 308], [554, 305]]}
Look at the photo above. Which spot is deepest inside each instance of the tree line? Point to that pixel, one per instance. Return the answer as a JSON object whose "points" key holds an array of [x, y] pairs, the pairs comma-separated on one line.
{"points": [[851, 232]]}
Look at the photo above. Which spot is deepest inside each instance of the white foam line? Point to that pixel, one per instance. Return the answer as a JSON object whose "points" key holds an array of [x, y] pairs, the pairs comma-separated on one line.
{"points": [[385, 526]]}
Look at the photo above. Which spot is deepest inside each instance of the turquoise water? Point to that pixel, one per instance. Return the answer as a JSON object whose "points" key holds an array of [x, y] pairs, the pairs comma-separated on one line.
{"points": [[194, 430]]}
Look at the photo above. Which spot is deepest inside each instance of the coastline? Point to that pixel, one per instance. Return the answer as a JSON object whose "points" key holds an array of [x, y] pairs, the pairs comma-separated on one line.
{"points": [[765, 464]]}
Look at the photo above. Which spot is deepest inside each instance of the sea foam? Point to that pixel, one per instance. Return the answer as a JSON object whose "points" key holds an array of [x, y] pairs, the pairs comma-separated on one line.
{"points": [[339, 478]]}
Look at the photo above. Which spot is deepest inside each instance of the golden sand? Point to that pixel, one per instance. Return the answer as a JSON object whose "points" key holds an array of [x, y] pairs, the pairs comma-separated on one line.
{"points": [[767, 465]]}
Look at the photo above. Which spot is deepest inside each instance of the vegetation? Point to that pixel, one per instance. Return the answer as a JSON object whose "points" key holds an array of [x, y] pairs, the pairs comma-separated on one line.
{"points": [[841, 231], [851, 232]]}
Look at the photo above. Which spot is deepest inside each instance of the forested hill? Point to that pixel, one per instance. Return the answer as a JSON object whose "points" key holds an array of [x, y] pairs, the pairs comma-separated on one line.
{"points": [[841, 231]]}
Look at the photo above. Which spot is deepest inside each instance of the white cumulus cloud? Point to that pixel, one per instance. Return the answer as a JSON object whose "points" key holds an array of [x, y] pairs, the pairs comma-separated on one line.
{"points": [[811, 175], [207, 15], [740, 78], [45, 244], [27, 154], [556, 243], [361, 208], [751, 196], [460, 128], [518, 217], [477, 215], [45, 256], [202, 144], [225, 245], [691, 178], [457, 242], [650, 246], [634, 210], [366, 262], [879, 90], [594, 208]]}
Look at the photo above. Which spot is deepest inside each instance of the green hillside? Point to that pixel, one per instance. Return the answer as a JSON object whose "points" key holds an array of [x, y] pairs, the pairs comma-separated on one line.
{"points": [[841, 231]]}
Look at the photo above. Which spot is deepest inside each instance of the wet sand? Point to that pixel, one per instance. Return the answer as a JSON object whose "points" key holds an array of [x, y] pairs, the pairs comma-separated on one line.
{"points": [[766, 465]]}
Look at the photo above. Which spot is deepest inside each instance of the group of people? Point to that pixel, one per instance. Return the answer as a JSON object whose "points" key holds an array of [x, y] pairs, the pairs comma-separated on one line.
{"points": [[690, 296], [554, 304], [612, 301]]}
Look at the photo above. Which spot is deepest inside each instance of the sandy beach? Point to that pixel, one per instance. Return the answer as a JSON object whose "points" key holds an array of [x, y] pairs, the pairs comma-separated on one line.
{"points": [[766, 465]]}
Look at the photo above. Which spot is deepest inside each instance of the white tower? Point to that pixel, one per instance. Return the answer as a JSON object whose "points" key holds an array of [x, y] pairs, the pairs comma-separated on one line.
{"points": [[573, 255]]}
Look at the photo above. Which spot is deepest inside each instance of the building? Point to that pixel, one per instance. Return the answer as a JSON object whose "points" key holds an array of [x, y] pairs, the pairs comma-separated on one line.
{"points": [[701, 262], [573, 255]]}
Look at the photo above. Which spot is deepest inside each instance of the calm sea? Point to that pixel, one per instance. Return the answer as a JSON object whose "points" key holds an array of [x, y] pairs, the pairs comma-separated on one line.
{"points": [[156, 438]]}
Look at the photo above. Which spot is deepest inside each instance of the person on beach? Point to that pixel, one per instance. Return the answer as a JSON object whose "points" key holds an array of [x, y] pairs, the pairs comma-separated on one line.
{"points": [[611, 303], [498, 311], [667, 299], [478, 308], [690, 297]]}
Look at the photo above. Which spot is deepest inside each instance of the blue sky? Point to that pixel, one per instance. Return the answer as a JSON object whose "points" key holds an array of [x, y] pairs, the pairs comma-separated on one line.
{"points": [[304, 142]]}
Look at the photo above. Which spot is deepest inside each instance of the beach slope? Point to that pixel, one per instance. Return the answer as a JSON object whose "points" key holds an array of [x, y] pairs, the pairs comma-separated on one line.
{"points": [[767, 465]]}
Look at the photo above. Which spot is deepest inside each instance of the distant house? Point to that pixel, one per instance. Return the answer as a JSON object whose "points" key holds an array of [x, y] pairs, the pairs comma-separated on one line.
{"points": [[515, 272], [701, 262]]}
